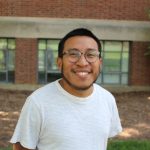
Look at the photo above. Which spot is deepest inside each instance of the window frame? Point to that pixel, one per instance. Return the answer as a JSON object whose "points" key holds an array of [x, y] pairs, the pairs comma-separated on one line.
{"points": [[52, 72], [7, 70], [120, 72]]}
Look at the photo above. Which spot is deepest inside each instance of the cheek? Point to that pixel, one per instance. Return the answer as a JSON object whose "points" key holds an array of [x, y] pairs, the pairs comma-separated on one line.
{"points": [[67, 66], [64, 68], [96, 70], [98, 66]]}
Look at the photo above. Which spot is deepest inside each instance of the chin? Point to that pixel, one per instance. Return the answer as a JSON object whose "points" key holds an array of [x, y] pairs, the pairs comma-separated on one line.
{"points": [[80, 86]]}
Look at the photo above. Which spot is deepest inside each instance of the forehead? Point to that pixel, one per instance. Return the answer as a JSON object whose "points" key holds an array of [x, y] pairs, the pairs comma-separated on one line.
{"points": [[82, 42]]}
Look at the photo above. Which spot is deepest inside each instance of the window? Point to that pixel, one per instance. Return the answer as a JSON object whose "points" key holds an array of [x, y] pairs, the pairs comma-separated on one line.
{"points": [[7, 59], [115, 56], [47, 55]]}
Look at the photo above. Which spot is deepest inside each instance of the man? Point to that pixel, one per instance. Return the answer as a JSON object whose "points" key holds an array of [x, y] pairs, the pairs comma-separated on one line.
{"points": [[72, 113]]}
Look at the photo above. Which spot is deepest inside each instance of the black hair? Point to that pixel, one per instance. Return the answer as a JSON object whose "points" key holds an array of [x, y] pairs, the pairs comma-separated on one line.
{"points": [[77, 32]]}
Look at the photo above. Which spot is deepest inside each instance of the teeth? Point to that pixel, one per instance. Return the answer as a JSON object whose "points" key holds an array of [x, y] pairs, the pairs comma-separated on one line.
{"points": [[82, 73]]}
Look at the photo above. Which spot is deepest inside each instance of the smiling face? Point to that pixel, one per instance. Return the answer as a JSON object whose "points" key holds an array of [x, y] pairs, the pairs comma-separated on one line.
{"points": [[78, 77]]}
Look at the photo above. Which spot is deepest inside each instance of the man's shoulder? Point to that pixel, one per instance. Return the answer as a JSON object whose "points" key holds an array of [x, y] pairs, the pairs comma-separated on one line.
{"points": [[44, 91], [102, 91], [100, 88]]}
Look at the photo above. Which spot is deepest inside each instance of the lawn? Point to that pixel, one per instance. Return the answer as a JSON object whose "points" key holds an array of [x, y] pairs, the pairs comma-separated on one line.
{"points": [[129, 145], [121, 145]]}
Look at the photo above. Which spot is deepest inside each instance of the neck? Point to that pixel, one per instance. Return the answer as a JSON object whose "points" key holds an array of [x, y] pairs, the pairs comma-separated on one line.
{"points": [[79, 92]]}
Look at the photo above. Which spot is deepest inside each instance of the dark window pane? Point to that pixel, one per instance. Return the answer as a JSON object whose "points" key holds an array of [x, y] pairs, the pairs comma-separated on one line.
{"points": [[2, 76], [53, 76], [42, 78], [11, 75]]}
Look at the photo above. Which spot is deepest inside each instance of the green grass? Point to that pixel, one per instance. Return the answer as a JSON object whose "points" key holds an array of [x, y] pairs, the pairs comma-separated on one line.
{"points": [[129, 145], [7, 148], [120, 145]]}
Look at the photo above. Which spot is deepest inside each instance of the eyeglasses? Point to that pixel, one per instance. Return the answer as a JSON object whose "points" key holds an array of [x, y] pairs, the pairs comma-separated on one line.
{"points": [[74, 55]]}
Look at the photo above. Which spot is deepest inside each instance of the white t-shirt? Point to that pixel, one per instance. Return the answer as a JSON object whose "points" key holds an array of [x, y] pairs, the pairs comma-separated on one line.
{"points": [[53, 119]]}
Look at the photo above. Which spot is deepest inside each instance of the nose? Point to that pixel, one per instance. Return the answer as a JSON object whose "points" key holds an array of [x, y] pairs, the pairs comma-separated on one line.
{"points": [[82, 61]]}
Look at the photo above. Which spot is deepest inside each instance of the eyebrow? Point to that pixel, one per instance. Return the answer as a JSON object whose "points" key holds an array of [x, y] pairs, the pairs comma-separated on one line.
{"points": [[88, 49]]}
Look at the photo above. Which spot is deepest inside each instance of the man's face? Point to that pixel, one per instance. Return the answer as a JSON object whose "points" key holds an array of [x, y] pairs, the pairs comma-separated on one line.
{"points": [[79, 75]]}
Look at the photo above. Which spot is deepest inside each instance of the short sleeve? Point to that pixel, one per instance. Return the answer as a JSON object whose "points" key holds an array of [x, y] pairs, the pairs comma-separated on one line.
{"points": [[27, 130], [116, 127]]}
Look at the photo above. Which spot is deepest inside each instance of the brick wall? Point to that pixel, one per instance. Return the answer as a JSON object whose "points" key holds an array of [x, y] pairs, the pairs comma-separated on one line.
{"points": [[26, 61], [96, 9], [140, 64]]}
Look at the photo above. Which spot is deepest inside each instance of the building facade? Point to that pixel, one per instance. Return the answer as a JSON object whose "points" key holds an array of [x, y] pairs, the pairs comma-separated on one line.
{"points": [[30, 32]]}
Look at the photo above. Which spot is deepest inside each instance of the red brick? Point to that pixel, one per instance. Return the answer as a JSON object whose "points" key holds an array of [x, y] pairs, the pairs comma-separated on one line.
{"points": [[95, 9], [140, 70], [26, 61]]}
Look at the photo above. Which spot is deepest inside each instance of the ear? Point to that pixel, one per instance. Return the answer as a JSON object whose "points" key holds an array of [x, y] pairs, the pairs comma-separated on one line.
{"points": [[59, 63]]}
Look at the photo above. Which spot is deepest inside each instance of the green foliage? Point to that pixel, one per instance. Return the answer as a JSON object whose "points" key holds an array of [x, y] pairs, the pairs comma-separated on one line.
{"points": [[7, 148], [129, 145]]}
